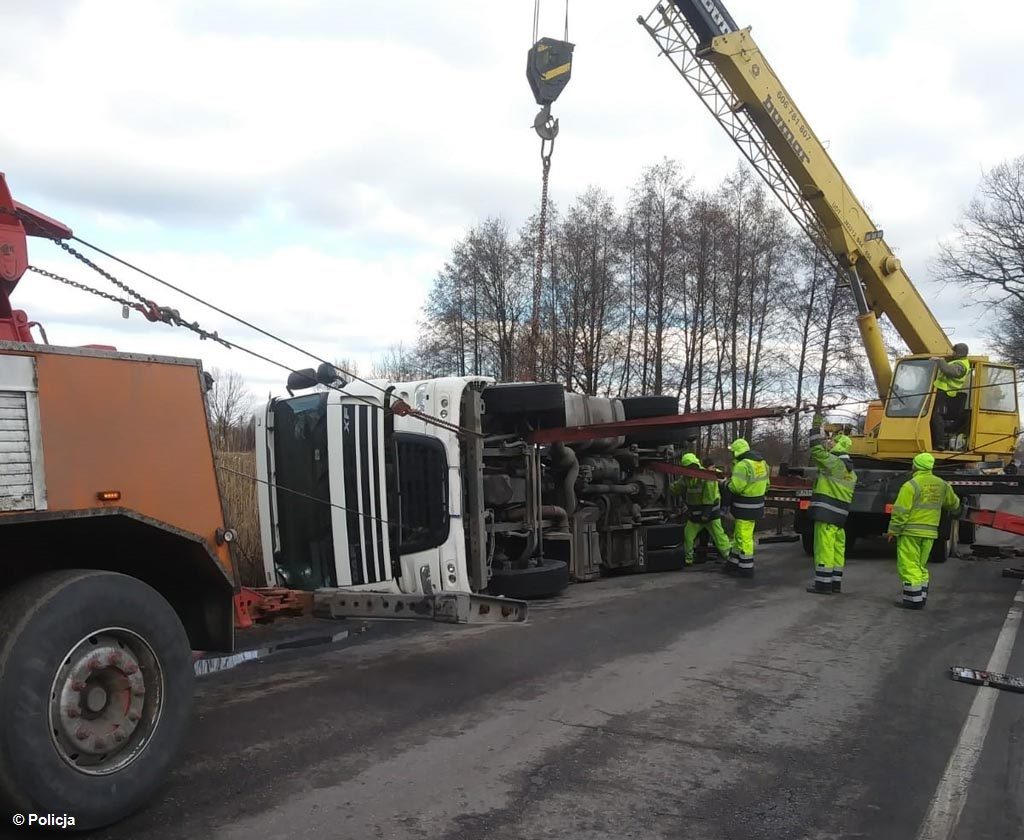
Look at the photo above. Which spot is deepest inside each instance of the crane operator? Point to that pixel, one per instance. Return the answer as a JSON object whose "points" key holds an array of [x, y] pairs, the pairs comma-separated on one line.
{"points": [[950, 396]]}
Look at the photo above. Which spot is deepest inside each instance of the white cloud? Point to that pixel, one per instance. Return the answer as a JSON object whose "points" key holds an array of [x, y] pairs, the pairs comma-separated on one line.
{"points": [[309, 164]]}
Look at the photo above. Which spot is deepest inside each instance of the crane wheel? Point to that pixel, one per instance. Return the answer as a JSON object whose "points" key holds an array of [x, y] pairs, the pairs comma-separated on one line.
{"points": [[96, 690]]}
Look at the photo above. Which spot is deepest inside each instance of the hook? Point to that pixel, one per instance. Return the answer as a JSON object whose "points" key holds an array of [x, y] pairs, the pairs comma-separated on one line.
{"points": [[545, 125]]}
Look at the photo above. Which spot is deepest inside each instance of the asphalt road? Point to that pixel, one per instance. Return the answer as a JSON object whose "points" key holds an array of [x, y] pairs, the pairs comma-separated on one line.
{"points": [[682, 705]]}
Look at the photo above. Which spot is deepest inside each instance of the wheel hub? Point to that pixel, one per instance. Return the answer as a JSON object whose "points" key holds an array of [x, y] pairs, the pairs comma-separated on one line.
{"points": [[105, 701]]}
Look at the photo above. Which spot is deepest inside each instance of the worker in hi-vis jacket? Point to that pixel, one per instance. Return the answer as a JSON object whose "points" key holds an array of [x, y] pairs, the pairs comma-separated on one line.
{"points": [[703, 509], [914, 524], [746, 489], [830, 505]]}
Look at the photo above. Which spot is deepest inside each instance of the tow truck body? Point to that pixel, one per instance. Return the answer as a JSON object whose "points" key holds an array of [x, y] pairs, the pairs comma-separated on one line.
{"points": [[115, 560]]}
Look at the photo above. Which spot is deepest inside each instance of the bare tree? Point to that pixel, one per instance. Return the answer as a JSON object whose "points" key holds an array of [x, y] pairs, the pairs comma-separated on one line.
{"points": [[398, 364], [988, 251], [230, 405], [987, 254]]}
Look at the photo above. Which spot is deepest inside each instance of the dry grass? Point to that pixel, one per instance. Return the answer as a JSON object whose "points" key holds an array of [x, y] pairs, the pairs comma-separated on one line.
{"points": [[239, 494]]}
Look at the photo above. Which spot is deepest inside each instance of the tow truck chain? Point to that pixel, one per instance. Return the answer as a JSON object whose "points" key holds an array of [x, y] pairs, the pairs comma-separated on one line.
{"points": [[154, 313], [151, 310]]}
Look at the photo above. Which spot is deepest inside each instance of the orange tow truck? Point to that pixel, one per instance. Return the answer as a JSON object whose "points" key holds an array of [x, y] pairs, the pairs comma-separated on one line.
{"points": [[115, 560]]}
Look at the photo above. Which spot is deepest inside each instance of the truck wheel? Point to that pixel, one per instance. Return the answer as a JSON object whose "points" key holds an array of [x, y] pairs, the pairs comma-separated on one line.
{"points": [[965, 533], [95, 695], [543, 581], [940, 550]]}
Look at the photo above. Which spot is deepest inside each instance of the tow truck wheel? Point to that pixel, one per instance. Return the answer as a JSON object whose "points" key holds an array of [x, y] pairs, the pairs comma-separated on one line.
{"points": [[540, 581], [95, 697]]}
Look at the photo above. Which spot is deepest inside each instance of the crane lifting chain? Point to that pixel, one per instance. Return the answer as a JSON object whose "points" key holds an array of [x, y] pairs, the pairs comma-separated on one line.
{"points": [[548, 68]]}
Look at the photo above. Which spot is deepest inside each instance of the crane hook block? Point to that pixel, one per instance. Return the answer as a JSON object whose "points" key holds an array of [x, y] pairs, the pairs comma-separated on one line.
{"points": [[548, 68]]}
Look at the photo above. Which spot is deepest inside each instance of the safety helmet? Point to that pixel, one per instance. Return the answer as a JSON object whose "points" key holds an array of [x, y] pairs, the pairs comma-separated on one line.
{"points": [[739, 447], [689, 459], [924, 461], [841, 445]]}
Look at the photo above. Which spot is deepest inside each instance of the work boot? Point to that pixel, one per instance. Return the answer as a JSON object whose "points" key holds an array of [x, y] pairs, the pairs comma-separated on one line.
{"points": [[907, 605], [818, 588], [837, 581]]}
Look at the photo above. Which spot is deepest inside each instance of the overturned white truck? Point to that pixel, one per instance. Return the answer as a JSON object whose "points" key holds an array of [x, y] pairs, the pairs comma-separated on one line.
{"points": [[354, 495]]}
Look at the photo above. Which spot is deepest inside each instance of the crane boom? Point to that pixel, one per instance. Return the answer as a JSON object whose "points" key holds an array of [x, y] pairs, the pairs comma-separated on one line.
{"points": [[728, 71]]}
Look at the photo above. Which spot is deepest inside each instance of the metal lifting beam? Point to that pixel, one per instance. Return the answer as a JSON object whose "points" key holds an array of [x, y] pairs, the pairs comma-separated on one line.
{"points": [[996, 519], [596, 431]]}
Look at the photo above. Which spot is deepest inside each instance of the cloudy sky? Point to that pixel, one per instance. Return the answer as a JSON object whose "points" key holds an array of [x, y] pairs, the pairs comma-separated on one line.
{"points": [[308, 163]]}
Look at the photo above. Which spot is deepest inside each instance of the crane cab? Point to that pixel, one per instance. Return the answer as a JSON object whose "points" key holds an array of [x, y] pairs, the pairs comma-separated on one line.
{"points": [[983, 425]]}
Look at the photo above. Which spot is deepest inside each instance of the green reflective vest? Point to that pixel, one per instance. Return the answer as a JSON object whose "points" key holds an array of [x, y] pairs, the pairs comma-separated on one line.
{"points": [[834, 485], [702, 497], [953, 385], [919, 506], [747, 486]]}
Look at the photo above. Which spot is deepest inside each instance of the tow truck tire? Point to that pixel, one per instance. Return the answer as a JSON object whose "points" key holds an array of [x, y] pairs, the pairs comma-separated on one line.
{"points": [[89, 659], [543, 581]]}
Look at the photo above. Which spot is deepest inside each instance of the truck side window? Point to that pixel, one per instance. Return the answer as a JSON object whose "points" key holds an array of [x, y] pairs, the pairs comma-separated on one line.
{"points": [[423, 492]]}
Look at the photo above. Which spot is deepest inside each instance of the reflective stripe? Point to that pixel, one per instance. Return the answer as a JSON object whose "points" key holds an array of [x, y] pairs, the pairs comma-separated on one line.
{"points": [[751, 505], [829, 506], [822, 575], [747, 564]]}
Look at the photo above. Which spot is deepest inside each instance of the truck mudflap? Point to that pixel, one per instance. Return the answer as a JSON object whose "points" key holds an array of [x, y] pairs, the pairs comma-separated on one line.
{"points": [[446, 607]]}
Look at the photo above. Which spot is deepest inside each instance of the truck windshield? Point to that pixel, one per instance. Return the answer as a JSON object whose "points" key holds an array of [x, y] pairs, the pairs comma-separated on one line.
{"points": [[911, 386], [306, 558]]}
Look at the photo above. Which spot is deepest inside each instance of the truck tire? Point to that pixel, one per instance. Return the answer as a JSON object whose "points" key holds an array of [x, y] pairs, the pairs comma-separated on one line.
{"points": [[640, 408], [966, 534], [543, 581], [940, 551], [524, 397], [95, 695]]}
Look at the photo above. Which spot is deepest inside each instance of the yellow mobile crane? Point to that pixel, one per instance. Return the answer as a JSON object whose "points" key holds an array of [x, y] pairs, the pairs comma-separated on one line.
{"points": [[730, 74]]}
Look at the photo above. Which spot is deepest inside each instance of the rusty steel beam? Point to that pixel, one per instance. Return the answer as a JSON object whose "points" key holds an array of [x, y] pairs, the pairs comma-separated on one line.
{"points": [[778, 482], [595, 431], [997, 520]]}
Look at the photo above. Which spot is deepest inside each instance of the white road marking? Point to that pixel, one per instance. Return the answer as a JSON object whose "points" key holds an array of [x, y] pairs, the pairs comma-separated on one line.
{"points": [[951, 795]]}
